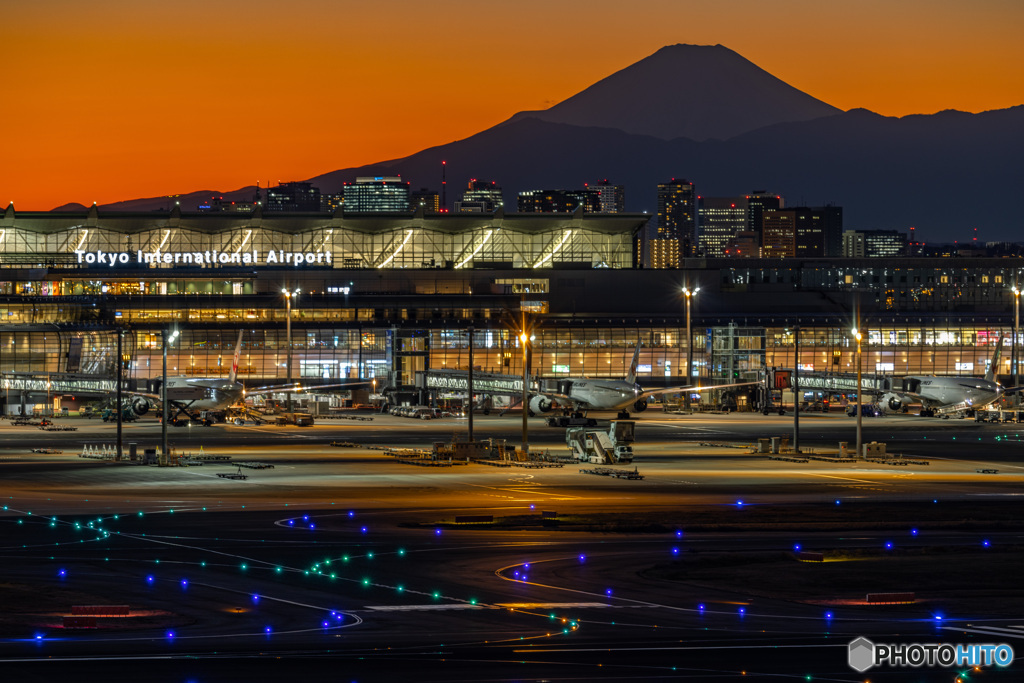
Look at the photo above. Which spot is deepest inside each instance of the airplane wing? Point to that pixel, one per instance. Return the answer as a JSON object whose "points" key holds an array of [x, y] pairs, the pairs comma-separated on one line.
{"points": [[693, 389]]}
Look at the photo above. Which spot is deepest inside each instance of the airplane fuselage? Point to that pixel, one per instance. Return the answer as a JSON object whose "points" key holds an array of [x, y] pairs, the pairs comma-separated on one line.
{"points": [[972, 392], [203, 393], [598, 394]]}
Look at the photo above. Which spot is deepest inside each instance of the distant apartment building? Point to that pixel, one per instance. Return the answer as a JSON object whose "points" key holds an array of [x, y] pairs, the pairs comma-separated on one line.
{"points": [[677, 214], [377, 194], [430, 200], [558, 201], [663, 252], [293, 197], [481, 196], [720, 219], [612, 197], [874, 243]]}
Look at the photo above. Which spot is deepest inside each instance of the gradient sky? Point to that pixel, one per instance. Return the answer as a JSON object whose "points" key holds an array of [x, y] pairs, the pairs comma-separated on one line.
{"points": [[118, 99]]}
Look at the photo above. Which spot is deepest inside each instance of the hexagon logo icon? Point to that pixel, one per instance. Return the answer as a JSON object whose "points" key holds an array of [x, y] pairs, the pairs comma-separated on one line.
{"points": [[861, 654]]}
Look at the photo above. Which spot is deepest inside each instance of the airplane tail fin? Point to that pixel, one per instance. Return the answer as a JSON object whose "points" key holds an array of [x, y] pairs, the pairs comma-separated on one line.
{"points": [[232, 376], [993, 366], [631, 377]]}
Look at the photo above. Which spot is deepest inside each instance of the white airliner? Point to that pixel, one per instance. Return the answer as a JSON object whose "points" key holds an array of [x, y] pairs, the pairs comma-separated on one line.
{"points": [[195, 395], [582, 394], [945, 395]]}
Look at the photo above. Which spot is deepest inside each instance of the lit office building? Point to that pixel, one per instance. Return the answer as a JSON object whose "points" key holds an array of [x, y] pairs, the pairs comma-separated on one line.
{"points": [[219, 205], [376, 195], [720, 220], [874, 243], [805, 232], [559, 201], [293, 198], [778, 233], [428, 200], [744, 244], [757, 202], [329, 203], [481, 196]]}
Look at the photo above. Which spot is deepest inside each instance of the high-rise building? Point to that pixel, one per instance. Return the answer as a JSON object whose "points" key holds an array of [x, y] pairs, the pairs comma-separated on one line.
{"points": [[558, 201], [802, 231], [874, 243], [612, 197], [293, 197], [720, 219], [481, 196], [677, 215], [757, 202], [376, 194], [430, 200]]}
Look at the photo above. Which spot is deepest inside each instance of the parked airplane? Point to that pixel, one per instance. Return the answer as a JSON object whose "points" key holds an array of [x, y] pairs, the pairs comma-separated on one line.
{"points": [[193, 396], [582, 394], [944, 395]]}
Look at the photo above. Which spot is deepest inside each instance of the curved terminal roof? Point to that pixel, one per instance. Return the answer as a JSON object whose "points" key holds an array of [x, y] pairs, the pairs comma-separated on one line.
{"points": [[295, 223]]}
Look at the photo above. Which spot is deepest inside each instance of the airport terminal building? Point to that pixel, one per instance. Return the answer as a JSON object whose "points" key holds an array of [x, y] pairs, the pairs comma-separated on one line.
{"points": [[387, 296]]}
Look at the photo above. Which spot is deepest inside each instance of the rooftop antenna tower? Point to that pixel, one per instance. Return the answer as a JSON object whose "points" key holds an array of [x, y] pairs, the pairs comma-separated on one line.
{"points": [[444, 187]]}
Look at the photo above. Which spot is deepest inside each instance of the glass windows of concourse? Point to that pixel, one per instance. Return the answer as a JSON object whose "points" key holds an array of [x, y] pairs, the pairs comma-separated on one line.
{"points": [[316, 354], [347, 351]]}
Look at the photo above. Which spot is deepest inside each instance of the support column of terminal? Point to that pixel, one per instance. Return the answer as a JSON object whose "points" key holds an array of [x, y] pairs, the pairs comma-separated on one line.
{"points": [[120, 382], [469, 383]]}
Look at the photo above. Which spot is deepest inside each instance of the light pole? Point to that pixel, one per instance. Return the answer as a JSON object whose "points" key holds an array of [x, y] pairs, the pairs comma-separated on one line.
{"points": [[120, 382], [689, 294], [860, 416], [523, 339], [288, 294], [796, 389], [469, 382], [1016, 335], [165, 340]]}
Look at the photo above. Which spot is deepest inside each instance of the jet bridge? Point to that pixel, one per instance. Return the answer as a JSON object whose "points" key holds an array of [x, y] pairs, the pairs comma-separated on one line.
{"points": [[56, 383], [839, 383], [483, 382]]}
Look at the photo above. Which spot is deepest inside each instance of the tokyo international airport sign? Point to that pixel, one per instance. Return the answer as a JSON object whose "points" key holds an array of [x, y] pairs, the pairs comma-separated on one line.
{"points": [[279, 257]]}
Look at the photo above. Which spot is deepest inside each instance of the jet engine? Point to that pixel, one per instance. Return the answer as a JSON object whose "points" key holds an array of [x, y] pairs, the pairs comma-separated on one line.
{"points": [[140, 406], [540, 404], [892, 402], [640, 406]]}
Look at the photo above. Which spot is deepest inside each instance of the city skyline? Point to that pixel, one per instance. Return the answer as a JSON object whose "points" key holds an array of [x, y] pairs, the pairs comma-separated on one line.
{"points": [[119, 101]]}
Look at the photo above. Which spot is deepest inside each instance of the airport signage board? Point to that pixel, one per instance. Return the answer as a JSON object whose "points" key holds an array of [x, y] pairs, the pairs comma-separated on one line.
{"points": [[213, 257]]}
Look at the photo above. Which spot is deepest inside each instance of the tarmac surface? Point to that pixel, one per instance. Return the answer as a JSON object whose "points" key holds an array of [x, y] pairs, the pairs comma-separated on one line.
{"points": [[345, 564]]}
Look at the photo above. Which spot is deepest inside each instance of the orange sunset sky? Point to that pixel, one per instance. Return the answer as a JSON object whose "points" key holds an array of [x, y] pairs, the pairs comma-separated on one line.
{"points": [[112, 100]]}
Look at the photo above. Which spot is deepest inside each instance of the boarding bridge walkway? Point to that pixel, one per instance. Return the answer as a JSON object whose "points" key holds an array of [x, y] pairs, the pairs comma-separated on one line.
{"points": [[483, 382], [833, 382], [56, 383]]}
